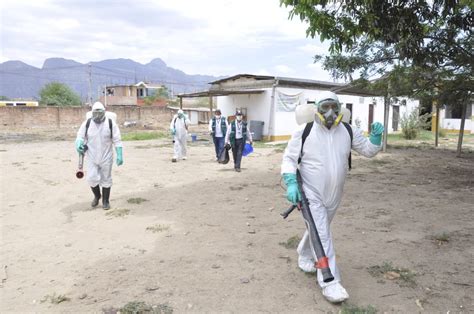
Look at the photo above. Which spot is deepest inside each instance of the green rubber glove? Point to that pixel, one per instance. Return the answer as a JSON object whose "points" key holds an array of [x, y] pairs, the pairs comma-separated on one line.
{"points": [[376, 131], [80, 146], [293, 194], [118, 150], [173, 131]]}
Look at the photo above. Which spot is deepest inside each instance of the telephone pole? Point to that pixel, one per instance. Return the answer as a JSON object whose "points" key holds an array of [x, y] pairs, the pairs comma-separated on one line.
{"points": [[90, 84]]}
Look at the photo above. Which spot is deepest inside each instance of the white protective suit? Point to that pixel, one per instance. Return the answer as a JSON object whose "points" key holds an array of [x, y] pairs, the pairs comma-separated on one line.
{"points": [[323, 168], [99, 154], [180, 137]]}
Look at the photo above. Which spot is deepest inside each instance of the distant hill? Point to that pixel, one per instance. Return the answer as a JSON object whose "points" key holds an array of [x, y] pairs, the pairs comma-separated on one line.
{"points": [[20, 80]]}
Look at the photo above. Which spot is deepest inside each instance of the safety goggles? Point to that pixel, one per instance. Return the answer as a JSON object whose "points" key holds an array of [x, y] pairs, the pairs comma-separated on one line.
{"points": [[326, 106]]}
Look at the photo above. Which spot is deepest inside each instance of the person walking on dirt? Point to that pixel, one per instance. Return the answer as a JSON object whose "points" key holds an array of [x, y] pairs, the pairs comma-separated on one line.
{"points": [[320, 150], [237, 135], [179, 130], [218, 130], [95, 139]]}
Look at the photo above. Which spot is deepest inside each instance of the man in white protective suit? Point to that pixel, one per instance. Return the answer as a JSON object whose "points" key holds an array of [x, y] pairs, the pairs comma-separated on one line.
{"points": [[179, 129], [324, 149], [96, 137]]}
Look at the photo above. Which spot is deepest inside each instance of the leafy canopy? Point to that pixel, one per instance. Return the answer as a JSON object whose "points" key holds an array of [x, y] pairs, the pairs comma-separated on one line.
{"points": [[57, 94], [427, 44]]}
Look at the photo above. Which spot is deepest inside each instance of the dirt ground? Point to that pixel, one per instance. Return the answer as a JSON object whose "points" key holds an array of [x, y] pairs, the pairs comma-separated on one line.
{"points": [[198, 237]]}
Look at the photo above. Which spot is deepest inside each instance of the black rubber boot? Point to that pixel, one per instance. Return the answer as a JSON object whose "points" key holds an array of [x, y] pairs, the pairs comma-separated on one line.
{"points": [[96, 191], [105, 198]]}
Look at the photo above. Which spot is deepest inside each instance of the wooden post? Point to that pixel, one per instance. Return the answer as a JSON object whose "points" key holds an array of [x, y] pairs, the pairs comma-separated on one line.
{"points": [[461, 131], [210, 103], [385, 121], [436, 124], [180, 102]]}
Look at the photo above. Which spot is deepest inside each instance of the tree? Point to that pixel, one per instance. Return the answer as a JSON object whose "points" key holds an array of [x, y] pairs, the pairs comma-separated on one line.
{"points": [[427, 45], [57, 94], [161, 93]]}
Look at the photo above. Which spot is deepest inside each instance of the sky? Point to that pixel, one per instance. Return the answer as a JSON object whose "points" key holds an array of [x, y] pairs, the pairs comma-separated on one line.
{"points": [[211, 37]]}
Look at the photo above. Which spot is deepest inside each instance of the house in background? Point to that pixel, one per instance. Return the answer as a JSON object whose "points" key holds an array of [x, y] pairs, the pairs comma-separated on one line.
{"points": [[450, 119], [133, 95], [271, 101]]}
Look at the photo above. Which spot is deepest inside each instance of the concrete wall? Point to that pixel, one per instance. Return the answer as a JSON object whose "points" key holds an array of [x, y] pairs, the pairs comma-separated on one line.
{"points": [[454, 125], [58, 117]]}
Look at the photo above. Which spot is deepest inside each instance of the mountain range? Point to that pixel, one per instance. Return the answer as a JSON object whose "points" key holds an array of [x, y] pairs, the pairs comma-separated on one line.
{"points": [[20, 80]]}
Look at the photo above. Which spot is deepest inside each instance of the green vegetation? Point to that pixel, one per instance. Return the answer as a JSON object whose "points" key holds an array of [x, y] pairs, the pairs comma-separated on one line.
{"points": [[119, 212], [55, 299], [353, 309], [143, 136], [291, 243], [443, 237], [57, 94], [412, 123], [403, 276], [158, 228], [140, 307], [136, 200]]}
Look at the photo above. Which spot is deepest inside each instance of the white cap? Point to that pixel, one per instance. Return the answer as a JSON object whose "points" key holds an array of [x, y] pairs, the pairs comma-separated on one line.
{"points": [[98, 106], [180, 111]]}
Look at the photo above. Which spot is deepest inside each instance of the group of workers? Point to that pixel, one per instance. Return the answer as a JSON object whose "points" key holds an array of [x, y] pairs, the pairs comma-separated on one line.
{"points": [[319, 149]]}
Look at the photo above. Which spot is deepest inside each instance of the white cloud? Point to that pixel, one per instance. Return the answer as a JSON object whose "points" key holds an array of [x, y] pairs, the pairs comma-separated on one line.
{"points": [[206, 37]]}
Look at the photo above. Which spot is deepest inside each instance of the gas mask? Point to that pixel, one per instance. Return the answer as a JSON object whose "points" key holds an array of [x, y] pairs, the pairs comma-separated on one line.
{"points": [[98, 116], [329, 110], [180, 115]]}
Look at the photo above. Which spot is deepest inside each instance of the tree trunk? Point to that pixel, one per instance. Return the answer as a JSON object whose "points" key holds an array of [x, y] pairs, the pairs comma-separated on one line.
{"points": [[437, 125], [461, 131], [385, 121]]}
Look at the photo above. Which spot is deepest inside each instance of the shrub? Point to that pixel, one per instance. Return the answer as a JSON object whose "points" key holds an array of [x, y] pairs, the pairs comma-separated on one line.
{"points": [[412, 123]]}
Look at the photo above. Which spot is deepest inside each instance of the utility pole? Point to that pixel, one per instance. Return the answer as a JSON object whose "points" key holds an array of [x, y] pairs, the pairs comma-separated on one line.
{"points": [[90, 84]]}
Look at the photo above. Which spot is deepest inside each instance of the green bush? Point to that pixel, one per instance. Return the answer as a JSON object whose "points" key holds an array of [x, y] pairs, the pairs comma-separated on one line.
{"points": [[412, 123]]}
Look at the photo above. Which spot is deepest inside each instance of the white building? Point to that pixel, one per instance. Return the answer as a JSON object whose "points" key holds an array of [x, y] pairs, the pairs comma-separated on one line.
{"points": [[273, 100], [450, 119]]}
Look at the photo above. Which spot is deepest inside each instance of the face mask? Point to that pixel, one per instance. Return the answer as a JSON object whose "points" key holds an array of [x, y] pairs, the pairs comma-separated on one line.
{"points": [[330, 117], [218, 117], [239, 118], [180, 115], [98, 116]]}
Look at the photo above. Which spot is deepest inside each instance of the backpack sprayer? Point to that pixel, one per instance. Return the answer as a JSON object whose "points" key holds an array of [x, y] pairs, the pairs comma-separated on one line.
{"points": [[80, 172], [322, 261]]}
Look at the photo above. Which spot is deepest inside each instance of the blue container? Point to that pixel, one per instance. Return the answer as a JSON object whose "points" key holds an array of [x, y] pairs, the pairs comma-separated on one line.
{"points": [[194, 137], [248, 149]]}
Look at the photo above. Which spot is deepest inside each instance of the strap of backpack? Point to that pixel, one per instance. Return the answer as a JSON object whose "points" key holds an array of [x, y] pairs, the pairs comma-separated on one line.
{"points": [[349, 129], [110, 127], [307, 130], [88, 123]]}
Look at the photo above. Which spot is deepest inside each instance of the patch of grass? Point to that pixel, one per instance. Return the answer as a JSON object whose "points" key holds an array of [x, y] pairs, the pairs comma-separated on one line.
{"points": [[407, 277], [291, 243], [354, 309], [158, 228], [442, 237], [55, 298], [143, 136], [139, 307], [136, 200], [119, 212]]}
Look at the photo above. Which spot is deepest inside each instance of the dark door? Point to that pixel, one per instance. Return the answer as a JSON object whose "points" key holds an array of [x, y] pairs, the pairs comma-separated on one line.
{"points": [[349, 107], [371, 116], [395, 117]]}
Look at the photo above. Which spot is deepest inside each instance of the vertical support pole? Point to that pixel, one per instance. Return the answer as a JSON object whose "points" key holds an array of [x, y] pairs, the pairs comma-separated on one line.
{"points": [[386, 112], [180, 102], [461, 131], [210, 108], [435, 103]]}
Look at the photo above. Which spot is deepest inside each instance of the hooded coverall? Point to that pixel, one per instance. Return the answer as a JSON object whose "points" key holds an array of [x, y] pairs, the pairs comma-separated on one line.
{"points": [[100, 151], [323, 168], [181, 132]]}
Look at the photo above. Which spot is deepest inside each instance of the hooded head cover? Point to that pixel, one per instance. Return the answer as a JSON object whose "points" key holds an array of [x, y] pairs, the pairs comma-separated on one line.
{"points": [[217, 113], [180, 113], [328, 108], [98, 112]]}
